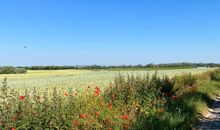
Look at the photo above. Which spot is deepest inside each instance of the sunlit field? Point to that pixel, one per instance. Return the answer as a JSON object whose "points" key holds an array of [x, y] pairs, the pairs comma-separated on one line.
{"points": [[106, 99], [79, 79]]}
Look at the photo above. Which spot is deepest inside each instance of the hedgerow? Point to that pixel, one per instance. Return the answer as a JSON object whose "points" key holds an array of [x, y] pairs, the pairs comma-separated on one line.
{"points": [[12, 70]]}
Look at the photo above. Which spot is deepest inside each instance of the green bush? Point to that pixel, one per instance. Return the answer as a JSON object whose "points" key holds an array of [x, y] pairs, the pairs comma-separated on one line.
{"points": [[12, 70], [20, 71], [7, 70]]}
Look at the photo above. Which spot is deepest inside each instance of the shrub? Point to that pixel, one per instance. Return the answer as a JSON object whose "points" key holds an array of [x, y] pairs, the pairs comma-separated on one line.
{"points": [[12, 70], [7, 70], [20, 71]]}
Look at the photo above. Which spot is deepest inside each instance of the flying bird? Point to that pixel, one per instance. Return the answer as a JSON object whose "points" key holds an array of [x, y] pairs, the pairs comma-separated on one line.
{"points": [[25, 46]]}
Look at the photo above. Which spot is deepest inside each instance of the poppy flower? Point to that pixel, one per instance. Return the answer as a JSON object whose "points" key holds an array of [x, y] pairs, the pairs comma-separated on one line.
{"points": [[110, 129], [110, 105], [125, 117], [22, 98], [97, 88], [84, 116], [96, 94], [12, 128], [126, 127], [97, 113], [97, 91]]}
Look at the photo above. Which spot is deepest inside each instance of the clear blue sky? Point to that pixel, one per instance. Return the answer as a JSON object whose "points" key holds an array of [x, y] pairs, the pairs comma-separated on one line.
{"points": [[109, 32]]}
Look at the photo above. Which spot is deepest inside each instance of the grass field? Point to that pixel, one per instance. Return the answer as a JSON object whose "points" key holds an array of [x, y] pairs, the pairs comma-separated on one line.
{"points": [[77, 79]]}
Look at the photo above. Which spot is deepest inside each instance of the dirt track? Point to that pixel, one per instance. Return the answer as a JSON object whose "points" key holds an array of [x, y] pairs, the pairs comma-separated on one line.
{"points": [[212, 120]]}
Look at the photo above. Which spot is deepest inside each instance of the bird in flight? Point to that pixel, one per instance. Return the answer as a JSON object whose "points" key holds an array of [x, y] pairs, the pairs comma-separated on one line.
{"points": [[25, 46]]}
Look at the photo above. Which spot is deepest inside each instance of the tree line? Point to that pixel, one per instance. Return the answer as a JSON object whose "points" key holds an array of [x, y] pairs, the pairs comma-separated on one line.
{"points": [[168, 65], [12, 70]]}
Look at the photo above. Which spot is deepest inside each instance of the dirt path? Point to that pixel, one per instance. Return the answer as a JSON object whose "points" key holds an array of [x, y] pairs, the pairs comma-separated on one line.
{"points": [[212, 120]]}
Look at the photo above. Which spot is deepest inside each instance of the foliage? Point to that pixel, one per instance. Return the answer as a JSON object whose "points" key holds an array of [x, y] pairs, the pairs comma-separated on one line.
{"points": [[184, 83], [148, 66], [20, 71], [12, 70]]}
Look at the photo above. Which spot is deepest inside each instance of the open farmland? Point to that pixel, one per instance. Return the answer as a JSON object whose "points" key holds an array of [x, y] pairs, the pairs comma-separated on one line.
{"points": [[86, 99], [111, 99], [78, 79]]}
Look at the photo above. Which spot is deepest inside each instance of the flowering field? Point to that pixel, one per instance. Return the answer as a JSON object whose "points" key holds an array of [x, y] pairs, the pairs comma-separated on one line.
{"points": [[75, 99]]}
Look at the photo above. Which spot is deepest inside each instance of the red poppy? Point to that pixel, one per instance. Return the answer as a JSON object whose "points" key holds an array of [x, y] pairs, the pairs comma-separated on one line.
{"points": [[84, 116], [22, 98], [125, 117], [110, 129], [97, 113], [96, 94], [126, 127], [97, 91], [97, 88], [110, 105], [12, 128]]}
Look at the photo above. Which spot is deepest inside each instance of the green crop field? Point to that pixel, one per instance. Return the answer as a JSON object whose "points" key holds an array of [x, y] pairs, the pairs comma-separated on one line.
{"points": [[79, 79]]}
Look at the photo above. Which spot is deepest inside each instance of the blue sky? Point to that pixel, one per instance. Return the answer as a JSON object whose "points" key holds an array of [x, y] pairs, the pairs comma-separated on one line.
{"points": [[108, 32]]}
